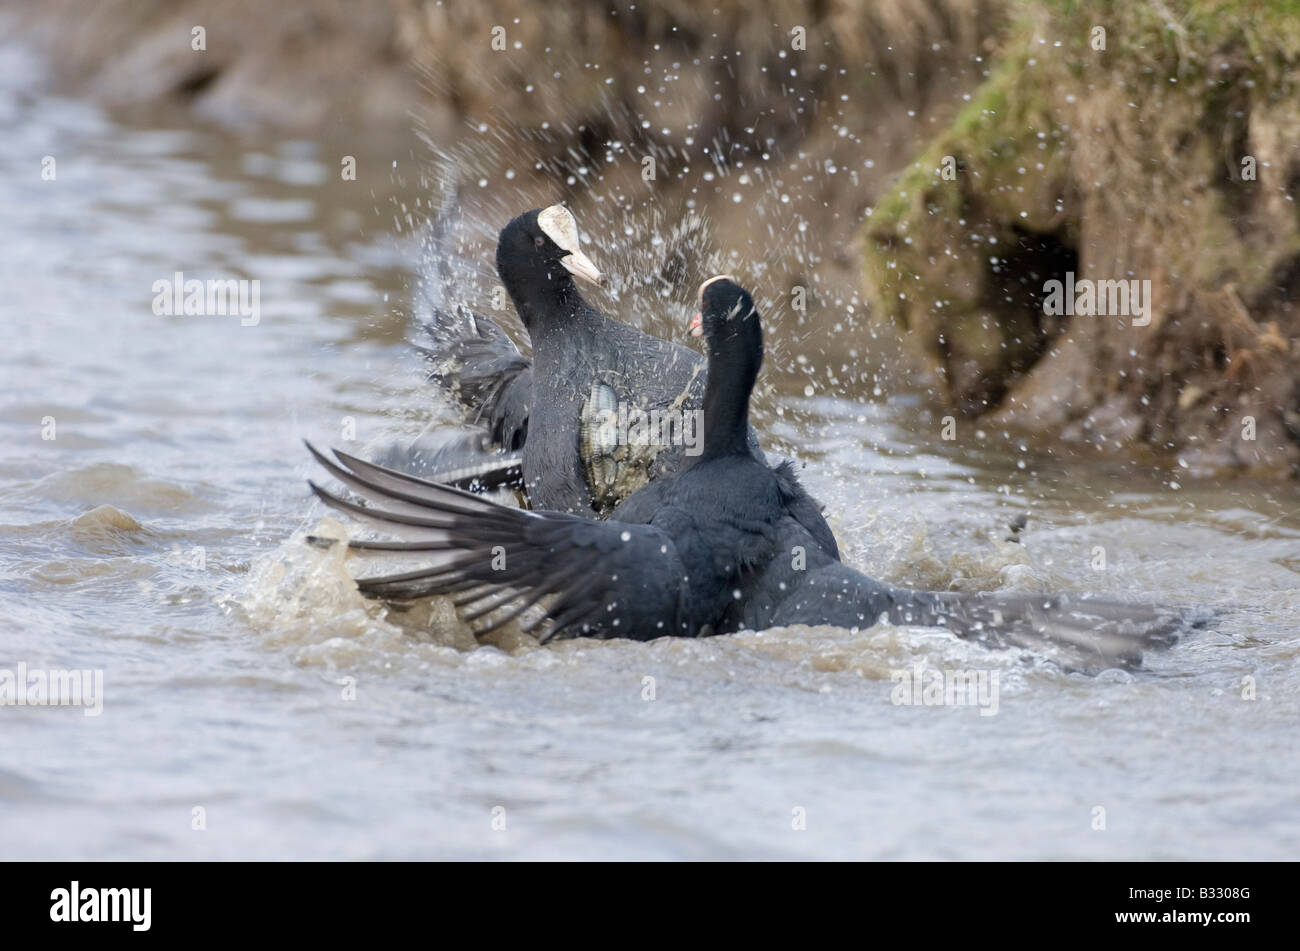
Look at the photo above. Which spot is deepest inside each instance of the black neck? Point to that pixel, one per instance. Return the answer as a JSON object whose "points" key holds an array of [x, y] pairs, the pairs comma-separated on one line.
{"points": [[544, 297], [733, 367]]}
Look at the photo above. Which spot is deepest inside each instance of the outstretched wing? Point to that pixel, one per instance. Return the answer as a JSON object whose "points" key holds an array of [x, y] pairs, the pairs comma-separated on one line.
{"points": [[478, 365], [469, 355], [1077, 631], [590, 579]]}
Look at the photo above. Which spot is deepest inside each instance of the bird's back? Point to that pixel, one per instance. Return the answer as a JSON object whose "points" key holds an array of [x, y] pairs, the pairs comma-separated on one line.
{"points": [[613, 409]]}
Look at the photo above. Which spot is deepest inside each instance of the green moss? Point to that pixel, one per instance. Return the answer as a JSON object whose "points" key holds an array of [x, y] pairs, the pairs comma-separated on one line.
{"points": [[923, 270]]}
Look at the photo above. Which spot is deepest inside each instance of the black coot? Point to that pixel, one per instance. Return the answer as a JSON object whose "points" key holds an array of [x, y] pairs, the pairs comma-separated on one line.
{"points": [[725, 543], [600, 410]]}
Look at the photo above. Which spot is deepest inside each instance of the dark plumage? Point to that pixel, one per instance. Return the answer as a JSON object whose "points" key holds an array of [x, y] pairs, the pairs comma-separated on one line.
{"points": [[584, 365], [725, 543]]}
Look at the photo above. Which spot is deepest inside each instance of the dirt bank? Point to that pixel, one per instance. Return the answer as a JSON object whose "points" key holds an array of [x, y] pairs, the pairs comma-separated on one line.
{"points": [[1170, 157]]}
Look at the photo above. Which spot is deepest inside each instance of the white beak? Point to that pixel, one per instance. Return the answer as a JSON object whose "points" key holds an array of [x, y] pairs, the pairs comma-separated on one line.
{"points": [[558, 224], [579, 265]]}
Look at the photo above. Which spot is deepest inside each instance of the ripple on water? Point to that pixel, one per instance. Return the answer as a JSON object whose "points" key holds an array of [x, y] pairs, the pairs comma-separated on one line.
{"points": [[17, 788], [118, 485], [101, 520]]}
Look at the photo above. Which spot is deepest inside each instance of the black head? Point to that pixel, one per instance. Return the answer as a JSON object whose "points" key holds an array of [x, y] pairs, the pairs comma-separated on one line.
{"points": [[727, 312], [538, 256]]}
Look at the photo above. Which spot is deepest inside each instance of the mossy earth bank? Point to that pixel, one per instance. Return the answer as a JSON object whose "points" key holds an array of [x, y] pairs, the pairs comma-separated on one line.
{"points": [[1156, 143]]}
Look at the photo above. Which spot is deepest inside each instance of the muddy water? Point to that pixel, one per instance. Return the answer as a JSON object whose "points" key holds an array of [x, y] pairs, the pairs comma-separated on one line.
{"points": [[250, 691]]}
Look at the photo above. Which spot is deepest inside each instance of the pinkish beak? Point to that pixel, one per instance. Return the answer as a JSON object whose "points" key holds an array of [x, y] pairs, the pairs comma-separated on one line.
{"points": [[697, 325]]}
